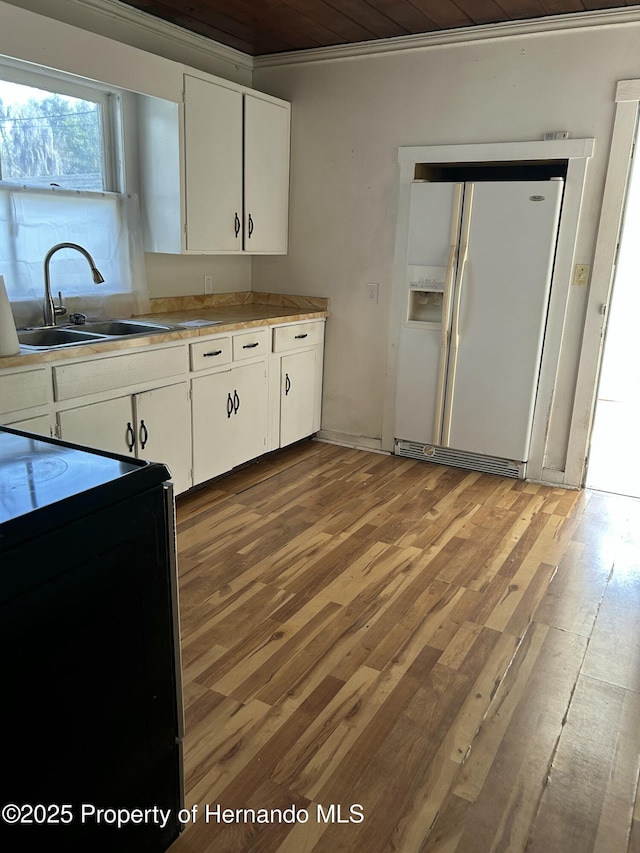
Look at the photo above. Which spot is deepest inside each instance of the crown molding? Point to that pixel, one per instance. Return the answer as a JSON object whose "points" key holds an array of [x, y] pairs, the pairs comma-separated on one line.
{"points": [[157, 28], [465, 35], [115, 10]]}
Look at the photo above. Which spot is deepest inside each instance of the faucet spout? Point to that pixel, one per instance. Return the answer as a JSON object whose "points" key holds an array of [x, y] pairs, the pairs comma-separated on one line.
{"points": [[50, 311]]}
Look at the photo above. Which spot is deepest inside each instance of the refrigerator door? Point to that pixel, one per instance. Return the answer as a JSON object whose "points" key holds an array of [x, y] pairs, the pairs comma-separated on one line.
{"points": [[417, 387], [434, 225], [431, 221], [499, 315]]}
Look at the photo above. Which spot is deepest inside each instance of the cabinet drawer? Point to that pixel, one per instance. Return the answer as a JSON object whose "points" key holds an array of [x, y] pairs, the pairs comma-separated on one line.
{"points": [[119, 371], [250, 344], [210, 353], [23, 389], [300, 335]]}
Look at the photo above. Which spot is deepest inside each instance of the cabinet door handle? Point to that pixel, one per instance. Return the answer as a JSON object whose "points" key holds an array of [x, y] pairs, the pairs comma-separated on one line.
{"points": [[131, 438], [144, 435], [236, 402], [300, 337], [209, 354], [250, 225], [251, 346], [236, 224], [287, 384], [229, 406]]}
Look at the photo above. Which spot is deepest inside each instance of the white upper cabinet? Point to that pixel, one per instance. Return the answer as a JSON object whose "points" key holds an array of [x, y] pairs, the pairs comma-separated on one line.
{"points": [[213, 166], [266, 171], [232, 160]]}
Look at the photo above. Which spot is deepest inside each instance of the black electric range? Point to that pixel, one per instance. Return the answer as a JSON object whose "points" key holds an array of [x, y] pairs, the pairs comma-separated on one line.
{"points": [[91, 716]]}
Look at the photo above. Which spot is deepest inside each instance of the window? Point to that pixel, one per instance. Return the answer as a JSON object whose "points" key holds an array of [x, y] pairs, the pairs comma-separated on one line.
{"points": [[61, 182], [52, 139]]}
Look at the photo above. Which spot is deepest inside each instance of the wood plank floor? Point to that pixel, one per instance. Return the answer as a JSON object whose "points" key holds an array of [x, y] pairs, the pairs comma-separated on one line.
{"points": [[411, 657]]}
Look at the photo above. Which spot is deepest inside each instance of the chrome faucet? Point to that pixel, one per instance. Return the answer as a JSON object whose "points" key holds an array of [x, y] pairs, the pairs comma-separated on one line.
{"points": [[51, 311]]}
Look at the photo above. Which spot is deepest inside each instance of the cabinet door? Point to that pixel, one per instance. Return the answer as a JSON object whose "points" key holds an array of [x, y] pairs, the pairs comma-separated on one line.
{"points": [[213, 166], [266, 194], [40, 425], [297, 396], [106, 426], [249, 421], [163, 431], [213, 436], [229, 413]]}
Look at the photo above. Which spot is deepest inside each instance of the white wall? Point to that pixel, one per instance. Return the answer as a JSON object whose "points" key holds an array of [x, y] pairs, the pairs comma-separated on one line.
{"points": [[350, 116], [177, 275]]}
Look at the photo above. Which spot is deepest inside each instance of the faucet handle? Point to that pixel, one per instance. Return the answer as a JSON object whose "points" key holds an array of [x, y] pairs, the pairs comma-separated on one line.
{"points": [[59, 309], [78, 319]]}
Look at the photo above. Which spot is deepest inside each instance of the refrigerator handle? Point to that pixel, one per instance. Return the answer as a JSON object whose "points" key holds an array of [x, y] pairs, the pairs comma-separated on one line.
{"points": [[446, 315], [455, 321]]}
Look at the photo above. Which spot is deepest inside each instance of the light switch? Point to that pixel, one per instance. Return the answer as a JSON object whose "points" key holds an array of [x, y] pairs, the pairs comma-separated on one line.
{"points": [[372, 291], [581, 275]]}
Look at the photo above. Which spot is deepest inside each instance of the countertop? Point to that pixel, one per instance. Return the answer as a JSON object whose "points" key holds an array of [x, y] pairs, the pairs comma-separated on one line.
{"points": [[219, 312]]}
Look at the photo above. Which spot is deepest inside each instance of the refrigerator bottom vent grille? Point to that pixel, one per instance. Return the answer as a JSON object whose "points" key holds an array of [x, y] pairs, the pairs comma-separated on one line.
{"points": [[460, 459]]}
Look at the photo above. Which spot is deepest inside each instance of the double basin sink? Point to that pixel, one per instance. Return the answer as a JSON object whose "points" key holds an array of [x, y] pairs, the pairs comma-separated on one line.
{"points": [[99, 330]]}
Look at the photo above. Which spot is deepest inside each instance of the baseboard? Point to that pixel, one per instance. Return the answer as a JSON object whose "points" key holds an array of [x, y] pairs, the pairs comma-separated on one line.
{"points": [[345, 439]]}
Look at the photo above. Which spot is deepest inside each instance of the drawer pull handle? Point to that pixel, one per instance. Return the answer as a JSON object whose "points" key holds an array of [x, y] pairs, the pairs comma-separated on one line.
{"points": [[236, 224], [229, 406], [131, 438], [299, 337], [236, 402], [287, 385], [144, 435], [250, 225], [209, 354], [251, 346]]}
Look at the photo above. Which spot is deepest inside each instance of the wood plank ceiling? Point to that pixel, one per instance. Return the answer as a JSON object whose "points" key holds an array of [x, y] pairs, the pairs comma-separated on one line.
{"points": [[259, 27]]}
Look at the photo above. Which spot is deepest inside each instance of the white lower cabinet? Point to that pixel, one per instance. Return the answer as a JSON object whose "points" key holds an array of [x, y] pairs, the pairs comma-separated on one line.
{"points": [[296, 364], [229, 412], [152, 425], [40, 425], [24, 396], [297, 396], [163, 424], [201, 407], [106, 426]]}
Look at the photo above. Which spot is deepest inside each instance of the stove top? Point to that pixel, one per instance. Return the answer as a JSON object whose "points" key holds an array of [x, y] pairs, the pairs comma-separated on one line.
{"points": [[36, 472]]}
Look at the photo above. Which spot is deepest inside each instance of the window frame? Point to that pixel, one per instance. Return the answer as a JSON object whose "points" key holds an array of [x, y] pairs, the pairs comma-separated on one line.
{"points": [[110, 105]]}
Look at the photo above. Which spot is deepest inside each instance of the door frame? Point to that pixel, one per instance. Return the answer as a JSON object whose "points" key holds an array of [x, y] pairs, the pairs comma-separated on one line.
{"points": [[625, 128], [577, 153]]}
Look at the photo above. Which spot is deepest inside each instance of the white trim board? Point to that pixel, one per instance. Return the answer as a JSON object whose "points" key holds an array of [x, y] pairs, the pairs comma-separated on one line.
{"points": [[346, 439], [85, 13], [598, 19], [613, 202], [577, 153], [166, 30]]}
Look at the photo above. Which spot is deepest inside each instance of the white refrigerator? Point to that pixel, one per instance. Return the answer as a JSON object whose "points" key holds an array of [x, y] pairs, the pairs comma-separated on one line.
{"points": [[479, 265]]}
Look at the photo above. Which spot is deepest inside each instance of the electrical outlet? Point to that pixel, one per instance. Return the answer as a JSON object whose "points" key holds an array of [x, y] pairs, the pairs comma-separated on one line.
{"points": [[581, 275], [372, 291], [208, 284]]}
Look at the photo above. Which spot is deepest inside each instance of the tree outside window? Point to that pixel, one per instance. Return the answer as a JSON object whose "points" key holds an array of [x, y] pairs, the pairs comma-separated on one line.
{"points": [[50, 139]]}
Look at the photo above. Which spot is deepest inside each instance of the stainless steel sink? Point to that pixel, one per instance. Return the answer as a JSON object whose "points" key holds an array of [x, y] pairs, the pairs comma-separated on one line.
{"points": [[55, 336], [51, 337], [117, 328]]}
